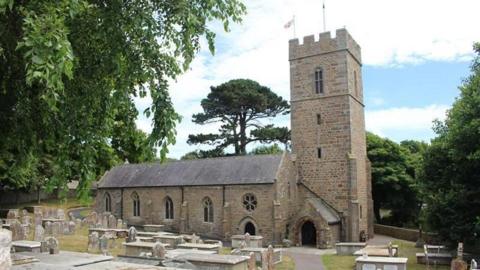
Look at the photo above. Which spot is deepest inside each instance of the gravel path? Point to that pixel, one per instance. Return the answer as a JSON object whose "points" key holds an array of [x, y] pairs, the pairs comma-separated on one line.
{"points": [[308, 258]]}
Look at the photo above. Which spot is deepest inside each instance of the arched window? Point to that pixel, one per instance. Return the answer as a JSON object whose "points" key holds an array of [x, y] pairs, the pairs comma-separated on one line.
{"points": [[168, 208], [108, 202], [318, 81], [207, 210], [136, 204]]}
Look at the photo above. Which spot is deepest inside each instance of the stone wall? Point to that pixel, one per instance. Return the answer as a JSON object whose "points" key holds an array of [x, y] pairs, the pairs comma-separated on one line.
{"points": [[403, 233]]}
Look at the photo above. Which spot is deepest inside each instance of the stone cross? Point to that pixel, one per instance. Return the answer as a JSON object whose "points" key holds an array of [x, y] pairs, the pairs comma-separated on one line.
{"points": [[104, 244], [5, 245], [93, 241], [17, 230], [252, 262], [132, 234], [52, 245], [112, 222], [247, 239], [158, 250], [39, 233]]}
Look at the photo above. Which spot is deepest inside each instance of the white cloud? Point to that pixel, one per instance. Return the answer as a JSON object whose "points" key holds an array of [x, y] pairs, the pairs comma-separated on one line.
{"points": [[391, 33], [405, 120]]}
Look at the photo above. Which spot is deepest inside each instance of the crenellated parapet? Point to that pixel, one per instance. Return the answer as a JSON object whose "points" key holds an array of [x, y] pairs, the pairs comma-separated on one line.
{"points": [[325, 44]]}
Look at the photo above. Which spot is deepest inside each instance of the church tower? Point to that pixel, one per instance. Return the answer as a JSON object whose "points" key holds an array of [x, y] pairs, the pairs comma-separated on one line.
{"points": [[328, 128]]}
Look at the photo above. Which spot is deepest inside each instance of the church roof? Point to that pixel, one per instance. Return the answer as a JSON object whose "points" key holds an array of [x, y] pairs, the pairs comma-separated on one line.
{"points": [[238, 170], [327, 213]]}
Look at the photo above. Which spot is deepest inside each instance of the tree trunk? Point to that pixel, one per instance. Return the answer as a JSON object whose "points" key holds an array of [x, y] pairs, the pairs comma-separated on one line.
{"points": [[243, 135]]}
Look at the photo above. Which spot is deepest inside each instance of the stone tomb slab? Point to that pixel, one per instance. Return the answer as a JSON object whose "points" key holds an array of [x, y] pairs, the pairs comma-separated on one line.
{"points": [[28, 246], [210, 247], [381, 263], [173, 253], [349, 248], [277, 254], [136, 248], [255, 240], [153, 227], [377, 251], [435, 258], [62, 260], [144, 239], [173, 240], [216, 261], [148, 234], [116, 265]]}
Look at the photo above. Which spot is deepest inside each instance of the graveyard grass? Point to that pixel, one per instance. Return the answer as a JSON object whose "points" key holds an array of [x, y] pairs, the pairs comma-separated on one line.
{"points": [[406, 249]]}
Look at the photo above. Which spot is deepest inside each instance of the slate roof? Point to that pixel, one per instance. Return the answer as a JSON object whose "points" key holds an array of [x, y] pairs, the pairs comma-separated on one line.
{"points": [[239, 170], [327, 213]]}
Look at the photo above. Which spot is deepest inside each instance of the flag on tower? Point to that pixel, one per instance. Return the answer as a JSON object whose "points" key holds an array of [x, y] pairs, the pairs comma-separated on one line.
{"points": [[289, 23]]}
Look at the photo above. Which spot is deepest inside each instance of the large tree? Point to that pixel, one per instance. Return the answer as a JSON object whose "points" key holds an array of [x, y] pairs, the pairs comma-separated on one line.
{"points": [[239, 105], [393, 181], [69, 69], [451, 183]]}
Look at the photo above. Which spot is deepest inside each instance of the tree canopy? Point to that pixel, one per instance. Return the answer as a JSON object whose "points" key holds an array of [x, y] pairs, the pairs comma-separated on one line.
{"points": [[239, 105], [394, 183], [451, 185], [69, 71]]}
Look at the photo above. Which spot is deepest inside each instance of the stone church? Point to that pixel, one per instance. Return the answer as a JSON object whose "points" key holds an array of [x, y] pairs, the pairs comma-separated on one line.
{"points": [[317, 194]]}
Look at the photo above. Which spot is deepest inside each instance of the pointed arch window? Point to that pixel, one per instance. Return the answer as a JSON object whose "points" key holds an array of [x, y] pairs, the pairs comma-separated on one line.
{"points": [[136, 204], [108, 202], [319, 81], [207, 210], [168, 208]]}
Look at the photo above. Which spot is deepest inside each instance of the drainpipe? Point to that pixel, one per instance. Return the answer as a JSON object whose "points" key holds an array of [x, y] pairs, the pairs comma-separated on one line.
{"points": [[121, 203]]}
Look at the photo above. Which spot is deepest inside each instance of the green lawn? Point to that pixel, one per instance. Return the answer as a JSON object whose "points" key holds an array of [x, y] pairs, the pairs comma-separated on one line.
{"points": [[406, 249]]}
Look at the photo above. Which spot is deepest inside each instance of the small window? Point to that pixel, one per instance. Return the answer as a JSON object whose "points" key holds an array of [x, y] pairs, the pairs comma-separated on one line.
{"points": [[361, 212], [249, 202], [108, 202], [319, 81], [136, 204], [319, 119], [319, 152], [207, 210], [168, 208]]}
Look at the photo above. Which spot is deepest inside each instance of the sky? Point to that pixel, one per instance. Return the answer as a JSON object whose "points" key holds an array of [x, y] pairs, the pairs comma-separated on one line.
{"points": [[415, 55]]}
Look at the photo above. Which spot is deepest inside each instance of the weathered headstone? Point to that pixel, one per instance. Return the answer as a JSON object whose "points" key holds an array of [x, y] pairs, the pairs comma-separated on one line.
{"points": [[93, 218], [24, 212], [78, 223], [270, 259], [104, 220], [195, 239], [264, 254], [5, 245], [12, 214], [65, 227], [17, 230], [71, 227], [132, 234], [60, 214], [247, 239], [52, 245], [473, 265], [39, 233], [27, 220], [119, 224], [48, 228], [93, 242], [252, 261], [43, 246], [38, 217], [458, 263], [37, 210], [158, 250], [104, 244], [112, 222], [71, 216], [56, 228]]}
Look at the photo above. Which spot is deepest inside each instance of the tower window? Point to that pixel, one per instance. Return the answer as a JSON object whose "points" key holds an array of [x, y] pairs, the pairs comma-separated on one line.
{"points": [[319, 119], [168, 208], [319, 152], [319, 81]]}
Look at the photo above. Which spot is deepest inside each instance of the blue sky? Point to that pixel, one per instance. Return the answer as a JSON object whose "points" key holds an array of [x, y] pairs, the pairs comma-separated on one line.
{"points": [[415, 55]]}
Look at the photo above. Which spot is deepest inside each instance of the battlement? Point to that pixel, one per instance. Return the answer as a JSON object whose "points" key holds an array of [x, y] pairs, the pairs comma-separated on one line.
{"points": [[325, 44]]}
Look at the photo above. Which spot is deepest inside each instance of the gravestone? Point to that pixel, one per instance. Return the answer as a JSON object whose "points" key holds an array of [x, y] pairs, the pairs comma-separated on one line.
{"points": [[52, 245], [55, 228], [78, 223], [93, 218], [247, 239], [104, 220], [71, 227], [458, 263], [99, 225], [112, 222], [39, 233], [71, 216], [60, 214], [43, 246], [5, 245], [264, 260], [27, 220], [37, 210], [158, 250], [93, 242], [119, 224], [12, 214], [132, 234], [103, 240], [270, 258], [17, 230], [38, 217], [252, 263], [48, 228], [473, 265], [195, 239], [24, 212]]}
